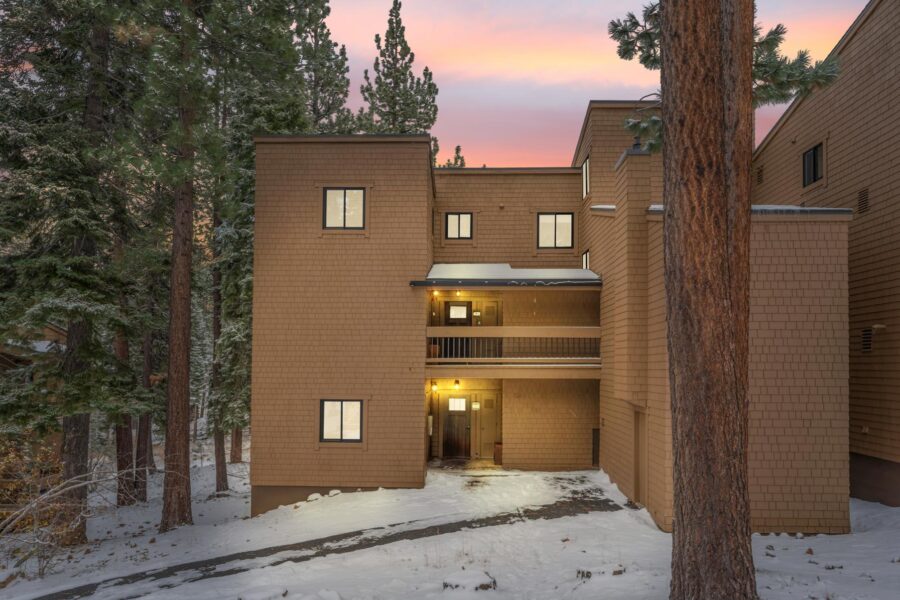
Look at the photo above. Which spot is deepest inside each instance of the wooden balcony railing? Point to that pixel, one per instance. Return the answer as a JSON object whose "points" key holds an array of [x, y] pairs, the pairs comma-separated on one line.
{"points": [[505, 345]]}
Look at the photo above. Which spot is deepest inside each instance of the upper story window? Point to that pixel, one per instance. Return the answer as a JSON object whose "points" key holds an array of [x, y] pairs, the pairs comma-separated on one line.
{"points": [[586, 177], [458, 226], [555, 230], [586, 259], [812, 165], [344, 208], [341, 421]]}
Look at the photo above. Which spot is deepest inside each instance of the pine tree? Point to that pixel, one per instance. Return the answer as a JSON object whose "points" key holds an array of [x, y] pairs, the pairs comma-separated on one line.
{"points": [[776, 77], [324, 69], [398, 101], [64, 92], [458, 161], [706, 239]]}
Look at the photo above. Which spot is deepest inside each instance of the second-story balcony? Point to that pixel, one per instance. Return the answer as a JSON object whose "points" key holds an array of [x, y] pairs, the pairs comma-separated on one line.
{"points": [[513, 345], [488, 320]]}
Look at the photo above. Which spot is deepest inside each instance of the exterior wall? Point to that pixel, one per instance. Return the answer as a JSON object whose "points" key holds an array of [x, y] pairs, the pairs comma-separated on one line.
{"points": [[547, 424], [857, 158], [618, 241], [316, 336], [798, 376], [504, 206], [551, 307], [798, 371]]}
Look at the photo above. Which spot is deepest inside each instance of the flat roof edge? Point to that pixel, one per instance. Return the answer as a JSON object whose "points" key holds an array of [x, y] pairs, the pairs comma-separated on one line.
{"points": [[507, 171], [507, 282], [342, 139], [778, 209]]}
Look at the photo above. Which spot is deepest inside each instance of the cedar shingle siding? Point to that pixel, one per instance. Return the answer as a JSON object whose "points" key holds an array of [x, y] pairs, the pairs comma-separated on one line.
{"points": [[861, 172]]}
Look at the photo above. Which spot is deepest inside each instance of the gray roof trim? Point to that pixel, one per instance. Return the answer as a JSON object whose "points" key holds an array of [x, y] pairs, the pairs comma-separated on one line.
{"points": [[466, 283], [779, 209]]}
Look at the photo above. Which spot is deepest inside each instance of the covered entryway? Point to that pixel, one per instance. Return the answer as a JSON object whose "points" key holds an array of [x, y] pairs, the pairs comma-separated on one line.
{"points": [[465, 418]]}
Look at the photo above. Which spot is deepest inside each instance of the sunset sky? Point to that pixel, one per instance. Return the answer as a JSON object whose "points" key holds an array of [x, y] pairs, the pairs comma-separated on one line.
{"points": [[515, 76]]}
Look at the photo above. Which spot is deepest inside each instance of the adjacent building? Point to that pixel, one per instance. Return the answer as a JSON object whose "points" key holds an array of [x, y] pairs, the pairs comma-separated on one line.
{"points": [[837, 148], [404, 314]]}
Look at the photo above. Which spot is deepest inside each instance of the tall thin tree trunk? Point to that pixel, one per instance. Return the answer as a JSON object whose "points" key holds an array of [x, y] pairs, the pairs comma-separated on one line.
{"points": [[77, 427], [237, 445], [707, 50], [75, 450], [125, 474], [216, 414], [124, 461], [177, 482], [144, 453]]}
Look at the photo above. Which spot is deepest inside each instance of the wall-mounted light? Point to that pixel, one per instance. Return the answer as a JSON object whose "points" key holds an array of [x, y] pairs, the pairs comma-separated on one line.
{"points": [[435, 293], [458, 293], [456, 384], [433, 386]]}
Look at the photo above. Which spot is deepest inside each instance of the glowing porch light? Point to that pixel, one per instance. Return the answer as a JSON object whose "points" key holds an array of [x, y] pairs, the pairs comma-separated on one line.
{"points": [[456, 384]]}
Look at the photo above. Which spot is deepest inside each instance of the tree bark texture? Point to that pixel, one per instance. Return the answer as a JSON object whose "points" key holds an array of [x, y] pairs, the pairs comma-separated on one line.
{"points": [[177, 481], [707, 135], [237, 445]]}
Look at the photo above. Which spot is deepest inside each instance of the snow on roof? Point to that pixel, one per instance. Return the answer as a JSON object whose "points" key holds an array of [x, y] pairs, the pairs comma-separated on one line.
{"points": [[503, 274], [781, 209]]}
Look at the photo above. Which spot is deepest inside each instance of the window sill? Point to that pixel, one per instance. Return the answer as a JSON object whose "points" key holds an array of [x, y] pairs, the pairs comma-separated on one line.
{"points": [[344, 233], [822, 183]]}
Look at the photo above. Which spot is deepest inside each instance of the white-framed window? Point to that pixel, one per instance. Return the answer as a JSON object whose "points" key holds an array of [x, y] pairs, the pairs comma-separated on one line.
{"points": [[456, 404], [586, 259], [586, 177], [458, 226], [344, 208], [555, 230], [341, 421]]}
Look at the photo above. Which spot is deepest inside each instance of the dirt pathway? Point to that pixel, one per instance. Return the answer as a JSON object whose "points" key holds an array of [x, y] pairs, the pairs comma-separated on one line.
{"points": [[576, 502]]}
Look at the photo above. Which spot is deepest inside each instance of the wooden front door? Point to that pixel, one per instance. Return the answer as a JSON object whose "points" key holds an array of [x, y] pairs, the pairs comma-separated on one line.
{"points": [[456, 428]]}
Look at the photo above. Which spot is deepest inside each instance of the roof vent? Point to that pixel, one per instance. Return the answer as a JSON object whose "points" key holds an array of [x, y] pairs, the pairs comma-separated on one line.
{"points": [[867, 339], [862, 201]]}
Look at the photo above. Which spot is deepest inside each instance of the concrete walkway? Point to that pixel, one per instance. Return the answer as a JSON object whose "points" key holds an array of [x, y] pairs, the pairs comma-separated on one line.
{"points": [[576, 502]]}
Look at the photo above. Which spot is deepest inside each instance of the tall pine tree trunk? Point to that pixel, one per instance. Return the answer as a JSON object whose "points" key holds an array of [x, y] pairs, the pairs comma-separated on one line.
{"points": [[218, 434], [77, 427], [707, 119], [75, 450], [177, 482], [237, 445], [144, 453], [125, 474]]}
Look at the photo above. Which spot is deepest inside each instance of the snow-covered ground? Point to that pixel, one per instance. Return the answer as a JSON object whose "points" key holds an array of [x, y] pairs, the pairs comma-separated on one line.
{"points": [[617, 554]]}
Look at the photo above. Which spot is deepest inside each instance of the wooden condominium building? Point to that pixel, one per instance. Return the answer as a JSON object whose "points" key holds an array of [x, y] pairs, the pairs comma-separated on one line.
{"points": [[404, 313], [837, 147]]}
